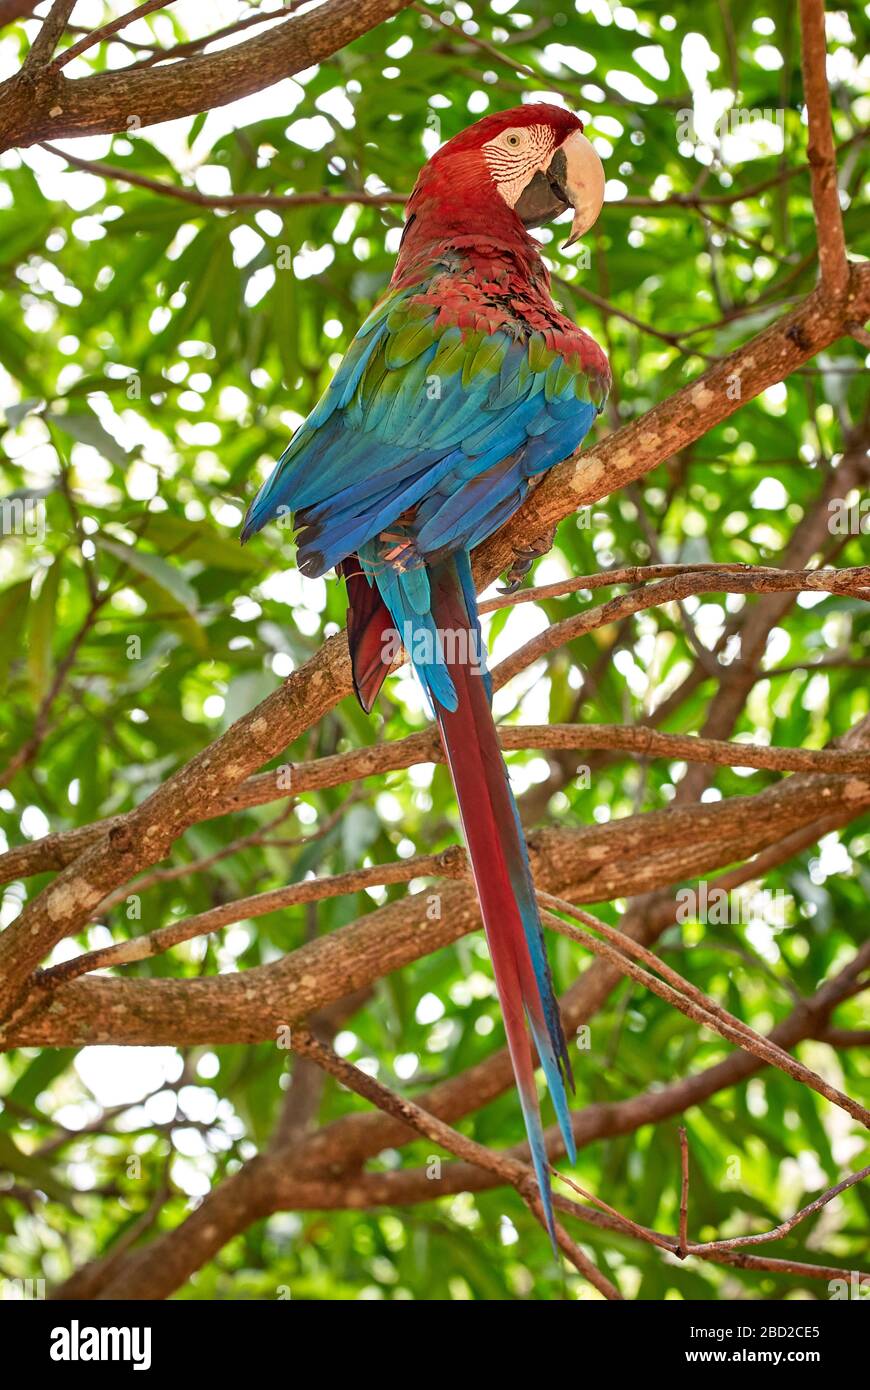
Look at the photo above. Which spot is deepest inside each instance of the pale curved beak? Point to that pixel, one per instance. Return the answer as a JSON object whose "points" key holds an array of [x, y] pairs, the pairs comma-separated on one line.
{"points": [[582, 180]]}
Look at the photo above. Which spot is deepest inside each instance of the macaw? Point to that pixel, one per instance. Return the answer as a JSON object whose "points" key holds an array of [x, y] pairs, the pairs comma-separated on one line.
{"points": [[463, 385]]}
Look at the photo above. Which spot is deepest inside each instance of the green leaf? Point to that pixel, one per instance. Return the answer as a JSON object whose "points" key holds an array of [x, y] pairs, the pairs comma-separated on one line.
{"points": [[359, 830], [158, 573], [199, 540], [13, 611], [20, 410], [85, 428], [43, 621]]}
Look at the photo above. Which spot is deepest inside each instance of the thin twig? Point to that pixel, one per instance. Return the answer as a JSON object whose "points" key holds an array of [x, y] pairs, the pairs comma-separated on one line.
{"points": [[510, 1170], [717, 1250], [769, 579], [684, 1190], [223, 200], [624, 1222], [853, 582], [735, 1242], [691, 1001], [106, 31], [184, 50]]}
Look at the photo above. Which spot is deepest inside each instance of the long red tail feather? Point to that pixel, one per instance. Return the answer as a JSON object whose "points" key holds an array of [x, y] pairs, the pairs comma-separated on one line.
{"points": [[500, 867]]}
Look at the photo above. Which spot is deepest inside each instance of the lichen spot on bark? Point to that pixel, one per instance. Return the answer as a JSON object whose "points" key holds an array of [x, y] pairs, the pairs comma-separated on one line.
{"points": [[66, 897]]}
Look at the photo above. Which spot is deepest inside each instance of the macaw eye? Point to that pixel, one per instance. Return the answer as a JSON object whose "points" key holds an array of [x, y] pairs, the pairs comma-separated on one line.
{"points": [[512, 140]]}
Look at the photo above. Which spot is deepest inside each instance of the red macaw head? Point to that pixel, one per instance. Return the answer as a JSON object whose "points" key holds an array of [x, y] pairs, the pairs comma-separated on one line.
{"points": [[534, 160]]}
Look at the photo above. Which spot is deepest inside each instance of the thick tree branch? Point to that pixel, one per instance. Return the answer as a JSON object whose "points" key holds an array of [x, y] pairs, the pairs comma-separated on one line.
{"points": [[44, 104], [591, 864], [12, 10], [604, 1120], [46, 40], [450, 863], [639, 855], [144, 836]]}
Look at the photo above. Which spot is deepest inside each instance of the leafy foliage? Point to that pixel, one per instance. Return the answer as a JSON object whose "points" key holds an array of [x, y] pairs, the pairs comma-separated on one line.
{"points": [[156, 355]]}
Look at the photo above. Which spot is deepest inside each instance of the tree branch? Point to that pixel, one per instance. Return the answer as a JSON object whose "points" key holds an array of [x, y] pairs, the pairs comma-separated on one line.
{"points": [[351, 1140], [604, 467], [594, 1122], [143, 838], [218, 200], [58, 850], [53, 106], [12, 10], [337, 769], [734, 1242], [591, 864], [46, 40], [689, 1000], [820, 151], [106, 31], [278, 1182], [717, 1250], [519, 1175], [684, 1190]]}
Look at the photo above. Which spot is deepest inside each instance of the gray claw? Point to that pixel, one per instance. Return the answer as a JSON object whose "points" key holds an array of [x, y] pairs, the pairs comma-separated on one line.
{"points": [[523, 561], [516, 574]]}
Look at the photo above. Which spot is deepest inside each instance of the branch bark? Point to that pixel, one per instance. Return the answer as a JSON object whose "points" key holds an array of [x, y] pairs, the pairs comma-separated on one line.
{"points": [[591, 864], [347, 1142], [820, 151], [12, 10], [43, 46], [337, 769], [43, 104], [597, 863], [596, 1121]]}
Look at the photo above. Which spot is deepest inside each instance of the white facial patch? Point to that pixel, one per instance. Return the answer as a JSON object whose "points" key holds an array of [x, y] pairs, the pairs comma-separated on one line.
{"points": [[515, 155]]}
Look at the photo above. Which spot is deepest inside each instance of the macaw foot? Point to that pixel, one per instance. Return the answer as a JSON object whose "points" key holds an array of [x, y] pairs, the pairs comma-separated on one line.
{"points": [[524, 559]]}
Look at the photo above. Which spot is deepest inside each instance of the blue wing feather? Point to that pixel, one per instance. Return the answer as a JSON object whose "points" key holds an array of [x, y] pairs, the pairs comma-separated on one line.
{"points": [[419, 419]]}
